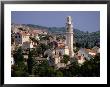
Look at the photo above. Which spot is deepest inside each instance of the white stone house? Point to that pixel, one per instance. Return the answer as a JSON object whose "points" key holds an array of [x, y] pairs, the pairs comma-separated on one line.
{"points": [[21, 37], [83, 55]]}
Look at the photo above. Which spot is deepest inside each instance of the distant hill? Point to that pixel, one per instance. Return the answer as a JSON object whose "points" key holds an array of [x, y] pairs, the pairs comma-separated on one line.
{"points": [[81, 38]]}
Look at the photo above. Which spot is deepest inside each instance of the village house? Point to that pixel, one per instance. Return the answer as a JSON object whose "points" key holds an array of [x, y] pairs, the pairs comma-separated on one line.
{"points": [[86, 54], [83, 55], [91, 52], [96, 49], [56, 55], [21, 37]]}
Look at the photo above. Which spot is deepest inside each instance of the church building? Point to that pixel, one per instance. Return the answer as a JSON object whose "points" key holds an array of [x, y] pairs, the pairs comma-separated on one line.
{"points": [[67, 49]]}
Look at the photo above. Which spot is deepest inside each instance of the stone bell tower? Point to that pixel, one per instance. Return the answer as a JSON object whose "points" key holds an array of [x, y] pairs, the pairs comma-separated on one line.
{"points": [[69, 36]]}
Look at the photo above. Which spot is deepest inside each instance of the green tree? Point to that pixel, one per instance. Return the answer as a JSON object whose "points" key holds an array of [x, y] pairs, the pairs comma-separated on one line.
{"points": [[66, 58], [42, 69], [51, 71], [30, 62], [59, 73], [19, 69], [18, 57], [41, 48], [74, 69]]}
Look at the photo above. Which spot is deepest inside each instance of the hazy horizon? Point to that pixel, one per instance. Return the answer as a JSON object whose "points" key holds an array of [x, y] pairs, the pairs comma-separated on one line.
{"points": [[82, 20]]}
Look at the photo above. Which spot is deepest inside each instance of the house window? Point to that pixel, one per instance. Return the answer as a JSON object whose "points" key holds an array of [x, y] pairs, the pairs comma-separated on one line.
{"points": [[15, 36]]}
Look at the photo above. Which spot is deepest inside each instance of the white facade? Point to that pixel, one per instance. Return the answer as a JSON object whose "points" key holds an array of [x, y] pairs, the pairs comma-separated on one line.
{"points": [[25, 38], [91, 53], [81, 61], [57, 60], [25, 56], [66, 50], [69, 36], [20, 38], [12, 61], [63, 51]]}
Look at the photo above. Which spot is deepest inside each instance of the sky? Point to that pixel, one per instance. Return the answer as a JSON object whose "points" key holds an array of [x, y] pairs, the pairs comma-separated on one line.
{"points": [[82, 20]]}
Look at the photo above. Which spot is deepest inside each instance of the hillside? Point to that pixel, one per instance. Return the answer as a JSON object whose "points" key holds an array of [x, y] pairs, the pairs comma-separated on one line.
{"points": [[81, 38]]}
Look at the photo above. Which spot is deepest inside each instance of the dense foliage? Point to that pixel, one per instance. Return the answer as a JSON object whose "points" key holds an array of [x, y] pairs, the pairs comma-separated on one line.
{"points": [[90, 68], [19, 68]]}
